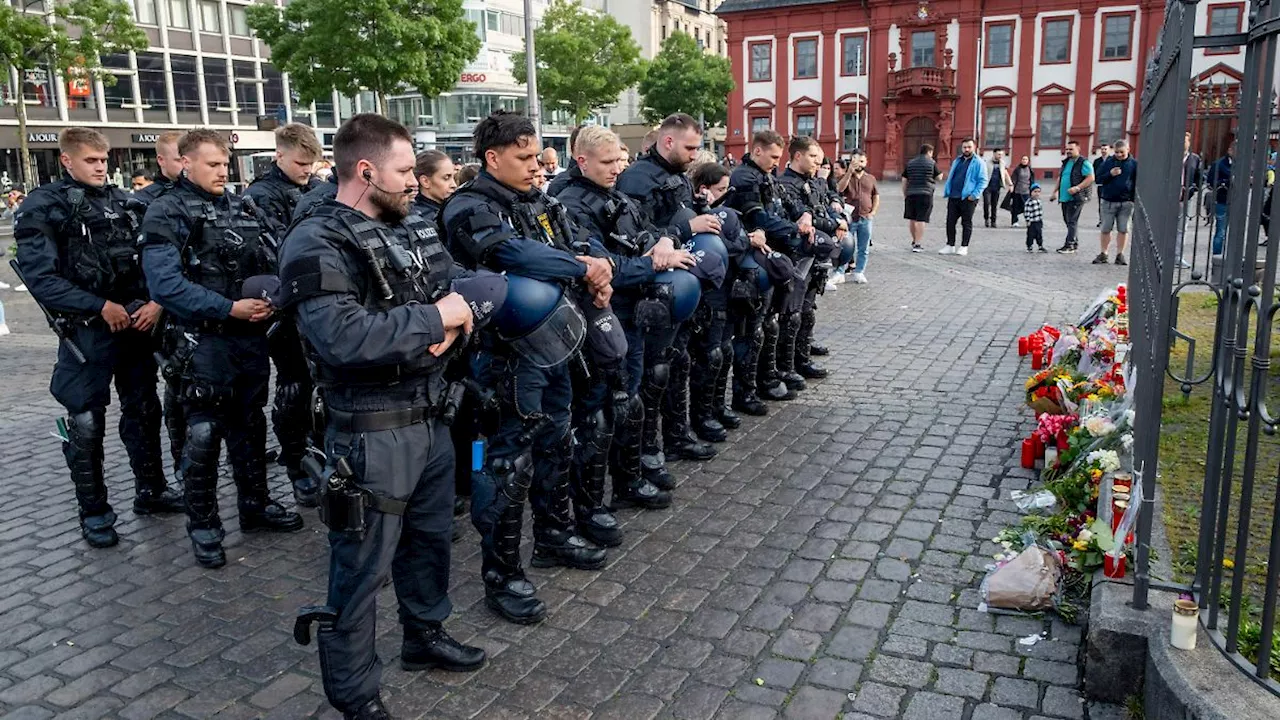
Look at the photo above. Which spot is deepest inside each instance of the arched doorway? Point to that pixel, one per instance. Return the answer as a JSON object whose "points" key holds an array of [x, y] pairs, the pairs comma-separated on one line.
{"points": [[919, 130]]}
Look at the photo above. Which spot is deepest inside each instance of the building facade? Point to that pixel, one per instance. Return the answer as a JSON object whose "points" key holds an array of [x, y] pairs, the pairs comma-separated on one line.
{"points": [[485, 85], [652, 23], [886, 76], [202, 68]]}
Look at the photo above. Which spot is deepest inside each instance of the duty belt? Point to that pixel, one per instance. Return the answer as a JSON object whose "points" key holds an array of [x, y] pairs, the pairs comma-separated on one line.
{"points": [[360, 422]]}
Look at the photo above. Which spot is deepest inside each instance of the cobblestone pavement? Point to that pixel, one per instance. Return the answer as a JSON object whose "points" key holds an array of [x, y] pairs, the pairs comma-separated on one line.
{"points": [[825, 565]]}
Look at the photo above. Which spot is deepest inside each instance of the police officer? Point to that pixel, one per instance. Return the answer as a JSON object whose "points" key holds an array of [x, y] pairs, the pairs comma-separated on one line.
{"points": [[608, 434], [200, 246], [369, 283], [437, 181], [754, 193], [170, 171], [656, 182], [710, 184], [811, 194], [500, 221], [320, 191], [77, 248], [170, 167], [274, 195]]}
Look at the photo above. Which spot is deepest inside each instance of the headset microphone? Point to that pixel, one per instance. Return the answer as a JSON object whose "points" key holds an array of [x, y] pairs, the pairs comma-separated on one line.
{"points": [[368, 177]]}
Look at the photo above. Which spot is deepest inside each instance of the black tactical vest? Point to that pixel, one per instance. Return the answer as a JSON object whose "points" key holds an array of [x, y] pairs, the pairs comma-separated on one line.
{"points": [[102, 248], [401, 265], [616, 214], [532, 214], [225, 247]]}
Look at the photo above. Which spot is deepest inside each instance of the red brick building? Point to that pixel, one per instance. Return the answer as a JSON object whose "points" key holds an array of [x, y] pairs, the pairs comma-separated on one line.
{"points": [[888, 75]]}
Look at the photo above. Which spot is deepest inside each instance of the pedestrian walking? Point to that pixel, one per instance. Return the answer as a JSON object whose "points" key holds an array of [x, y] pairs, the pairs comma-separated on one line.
{"points": [[918, 182], [1022, 177], [1034, 211], [861, 194], [997, 182], [1117, 181], [965, 183], [1192, 176], [1073, 191], [1220, 183], [1104, 152]]}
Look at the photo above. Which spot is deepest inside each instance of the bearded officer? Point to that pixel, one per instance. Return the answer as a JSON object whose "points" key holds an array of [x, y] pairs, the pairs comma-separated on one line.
{"points": [[369, 284]]}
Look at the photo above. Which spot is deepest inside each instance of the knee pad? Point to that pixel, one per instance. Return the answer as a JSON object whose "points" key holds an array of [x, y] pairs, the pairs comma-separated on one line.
{"points": [[715, 358], [659, 375], [289, 395], [89, 424]]}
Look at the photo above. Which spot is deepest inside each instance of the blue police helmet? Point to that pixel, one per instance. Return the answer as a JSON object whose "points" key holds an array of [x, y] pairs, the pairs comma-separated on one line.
{"points": [[751, 265], [712, 256], [528, 303], [681, 220], [686, 292], [848, 246]]}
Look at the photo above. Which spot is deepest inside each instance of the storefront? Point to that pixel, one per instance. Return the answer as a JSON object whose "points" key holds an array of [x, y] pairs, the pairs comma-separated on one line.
{"points": [[132, 149]]}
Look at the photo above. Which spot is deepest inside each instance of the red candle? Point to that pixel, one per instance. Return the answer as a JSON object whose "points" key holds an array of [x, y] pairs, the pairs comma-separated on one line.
{"points": [[1022, 346], [1028, 454], [1039, 445], [1113, 566], [1035, 359]]}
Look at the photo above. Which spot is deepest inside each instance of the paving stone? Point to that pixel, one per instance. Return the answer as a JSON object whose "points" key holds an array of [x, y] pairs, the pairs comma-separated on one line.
{"points": [[1051, 672], [853, 643], [932, 706], [869, 614], [837, 674], [1063, 702], [879, 700], [813, 702], [961, 682], [996, 663], [1015, 693], [897, 671]]}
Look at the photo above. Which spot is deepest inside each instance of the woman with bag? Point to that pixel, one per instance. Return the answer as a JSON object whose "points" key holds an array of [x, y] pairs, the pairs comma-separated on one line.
{"points": [[1021, 177]]}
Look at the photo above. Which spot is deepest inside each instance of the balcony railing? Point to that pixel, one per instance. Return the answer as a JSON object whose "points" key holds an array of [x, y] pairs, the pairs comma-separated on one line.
{"points": [[922, 81]]}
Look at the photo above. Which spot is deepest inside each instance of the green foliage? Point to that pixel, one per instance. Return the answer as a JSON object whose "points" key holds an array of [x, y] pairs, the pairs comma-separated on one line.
{"points": [[383, 46], [1250, 640], [584, 59], [683, 78], [81, 32]]}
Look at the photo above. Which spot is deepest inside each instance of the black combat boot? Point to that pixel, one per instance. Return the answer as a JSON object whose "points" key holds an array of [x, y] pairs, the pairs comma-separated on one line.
{"points": [[506, 589], [804, 364], [432, 648], [83, 451], [729, 419], [200, 468], [140, 431], [819, 350], [247, 453], [702, 392], [746, 361], [594, 521], [788, 333], [554, 542], [653, 460], [769, 383], [626, 466], [372, 710]]}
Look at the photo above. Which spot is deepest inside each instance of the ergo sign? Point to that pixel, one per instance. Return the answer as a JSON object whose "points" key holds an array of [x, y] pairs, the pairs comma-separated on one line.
{"points": [[472, 78]]}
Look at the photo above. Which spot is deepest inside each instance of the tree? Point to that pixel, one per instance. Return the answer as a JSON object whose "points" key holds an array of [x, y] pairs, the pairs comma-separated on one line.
{"points": [[584, 59], [683, 78], [378, 45], [71, 38]]}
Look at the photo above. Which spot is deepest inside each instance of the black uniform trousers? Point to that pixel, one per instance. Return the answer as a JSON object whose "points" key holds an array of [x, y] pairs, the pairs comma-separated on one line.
{"points": [[412, 464], [224, 392], [127, 357], [291, 411]]}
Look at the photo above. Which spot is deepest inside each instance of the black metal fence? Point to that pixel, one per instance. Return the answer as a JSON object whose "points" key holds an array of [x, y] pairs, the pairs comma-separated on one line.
{"points": [[1198, 237]]}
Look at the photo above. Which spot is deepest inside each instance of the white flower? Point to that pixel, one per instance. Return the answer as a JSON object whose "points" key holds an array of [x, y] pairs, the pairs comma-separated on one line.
{"points": [[1108, 460], [1126, 440], [1128, 417], [1084, 535], [1098, 426]]}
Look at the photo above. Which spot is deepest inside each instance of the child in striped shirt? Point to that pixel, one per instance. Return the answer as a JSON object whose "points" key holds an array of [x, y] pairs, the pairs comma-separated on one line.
{"points": [[1034, 213]]}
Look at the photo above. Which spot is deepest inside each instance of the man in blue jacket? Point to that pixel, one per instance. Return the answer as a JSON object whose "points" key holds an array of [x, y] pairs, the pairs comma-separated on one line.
{"points": [[1220, 183], [965, 183]]}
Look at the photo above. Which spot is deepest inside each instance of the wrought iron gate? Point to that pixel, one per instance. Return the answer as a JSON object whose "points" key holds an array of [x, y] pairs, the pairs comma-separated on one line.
{"points": [[1244, 282]]}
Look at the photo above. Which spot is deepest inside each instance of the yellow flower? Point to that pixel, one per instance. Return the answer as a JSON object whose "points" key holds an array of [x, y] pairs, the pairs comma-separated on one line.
{"points": [[1096, 474], [1080, 545], [1228, 563]]}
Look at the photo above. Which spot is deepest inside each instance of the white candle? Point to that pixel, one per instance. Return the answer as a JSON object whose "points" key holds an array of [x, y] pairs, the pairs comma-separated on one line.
{"points": [[1182, 634]]}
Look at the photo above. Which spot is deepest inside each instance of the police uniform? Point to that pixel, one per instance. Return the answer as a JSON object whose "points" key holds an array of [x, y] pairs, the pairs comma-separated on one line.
{"points": [[319, 192], [488, 225], [712, 348], [361, 293], [77, 248], [174, 421], [198, 251], [274, 195], [608, 427], [663, 192], [755, 195], [811, 194]]}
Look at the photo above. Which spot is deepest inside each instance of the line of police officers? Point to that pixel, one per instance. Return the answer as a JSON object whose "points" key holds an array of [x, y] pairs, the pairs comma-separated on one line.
{"points": [[544, 344]]}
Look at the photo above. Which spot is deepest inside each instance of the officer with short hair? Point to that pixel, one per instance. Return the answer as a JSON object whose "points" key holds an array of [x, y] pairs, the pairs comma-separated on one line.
{"points": [[806, 191], [608, 430], [656, 182], [369, 284], [170, 167], [755, 195], [200, 247], [272, 197], [77, 249], [500, 221]]}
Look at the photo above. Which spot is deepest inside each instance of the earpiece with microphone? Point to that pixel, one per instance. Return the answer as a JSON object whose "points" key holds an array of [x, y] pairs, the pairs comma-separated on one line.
{"points": [[368, 177]]}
